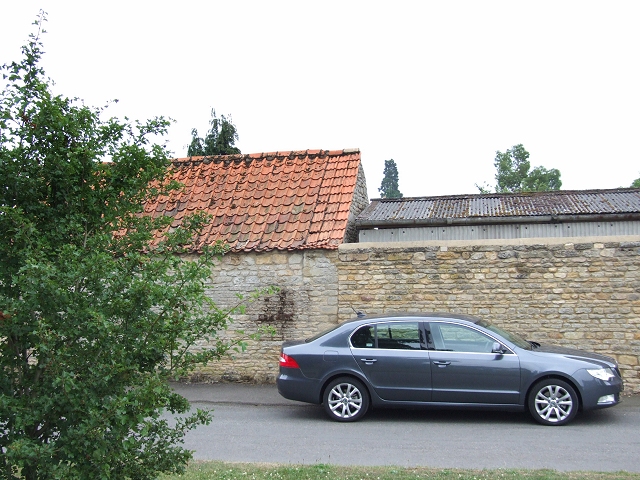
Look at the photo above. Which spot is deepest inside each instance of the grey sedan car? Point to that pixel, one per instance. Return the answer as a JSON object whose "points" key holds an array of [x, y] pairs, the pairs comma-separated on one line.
{"points": [[443, 360]]}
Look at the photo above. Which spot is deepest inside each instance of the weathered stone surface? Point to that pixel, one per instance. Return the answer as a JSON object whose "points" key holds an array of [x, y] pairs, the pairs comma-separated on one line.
{"points": [[584, 294], [588, 299], [306, 303]]}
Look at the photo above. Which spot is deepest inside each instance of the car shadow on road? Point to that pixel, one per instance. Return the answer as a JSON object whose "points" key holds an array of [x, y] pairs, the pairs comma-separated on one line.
{"points": [[315, 413], [440, 415]]}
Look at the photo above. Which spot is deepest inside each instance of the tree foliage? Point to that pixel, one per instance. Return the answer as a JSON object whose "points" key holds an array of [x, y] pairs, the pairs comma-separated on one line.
{"points": [[389, 187], [636, 183], [514, 174], [95, 316], [219, 140]]}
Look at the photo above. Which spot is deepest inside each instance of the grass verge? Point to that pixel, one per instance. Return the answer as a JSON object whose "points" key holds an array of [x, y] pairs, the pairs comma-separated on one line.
{"points": [[246, 471]]}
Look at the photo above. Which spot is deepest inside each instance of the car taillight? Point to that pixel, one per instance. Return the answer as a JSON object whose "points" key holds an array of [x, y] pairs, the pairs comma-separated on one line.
{"points": [[287, 361]]}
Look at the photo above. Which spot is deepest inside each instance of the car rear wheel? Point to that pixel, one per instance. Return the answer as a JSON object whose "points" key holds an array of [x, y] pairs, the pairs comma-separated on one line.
{"points": [[346, 399], [553, 402]]}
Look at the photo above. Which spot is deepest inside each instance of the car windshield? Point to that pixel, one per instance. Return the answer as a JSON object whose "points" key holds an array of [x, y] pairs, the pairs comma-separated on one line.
{"points": [[512, 337]]}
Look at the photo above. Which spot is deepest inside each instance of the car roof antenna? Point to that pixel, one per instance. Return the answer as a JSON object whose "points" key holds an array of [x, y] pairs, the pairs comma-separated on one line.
{"points": [[359, 313]]}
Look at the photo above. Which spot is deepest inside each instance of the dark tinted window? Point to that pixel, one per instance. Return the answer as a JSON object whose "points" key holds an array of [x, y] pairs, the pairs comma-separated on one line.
{"points": [[392, 335], [364, 337]]}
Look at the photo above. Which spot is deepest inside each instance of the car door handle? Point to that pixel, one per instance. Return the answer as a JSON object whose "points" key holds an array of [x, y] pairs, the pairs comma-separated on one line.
{"points": [[441, 363], [369, 361]]}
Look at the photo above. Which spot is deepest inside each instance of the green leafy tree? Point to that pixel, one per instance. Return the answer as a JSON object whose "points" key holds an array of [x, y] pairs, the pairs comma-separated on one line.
{"points": [[514, 174], [219, 140], [389, 187], [542, 180], [636, 183], [95, 315]]}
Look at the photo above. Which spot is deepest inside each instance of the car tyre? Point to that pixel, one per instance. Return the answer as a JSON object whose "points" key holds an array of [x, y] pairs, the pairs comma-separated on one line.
{"points": [[346, 399], [553, 402]]}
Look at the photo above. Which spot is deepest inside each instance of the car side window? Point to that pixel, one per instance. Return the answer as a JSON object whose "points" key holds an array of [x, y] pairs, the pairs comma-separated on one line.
{"points": [[458, 338], [364, 337], [399, 335]]}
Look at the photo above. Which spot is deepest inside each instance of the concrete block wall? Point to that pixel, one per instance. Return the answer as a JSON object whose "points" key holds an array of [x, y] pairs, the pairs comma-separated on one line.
{"points": [[583, 293]]}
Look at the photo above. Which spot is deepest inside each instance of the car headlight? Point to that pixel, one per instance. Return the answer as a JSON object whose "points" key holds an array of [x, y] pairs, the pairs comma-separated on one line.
{"points": [[605, 374]]}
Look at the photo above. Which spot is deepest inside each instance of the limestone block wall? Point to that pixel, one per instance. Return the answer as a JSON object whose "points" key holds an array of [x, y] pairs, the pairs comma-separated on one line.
{"points": [[581, 293], [307, 302], [358, 204]]}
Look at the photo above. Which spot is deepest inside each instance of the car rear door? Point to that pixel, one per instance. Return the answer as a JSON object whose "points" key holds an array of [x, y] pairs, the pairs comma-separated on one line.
{"points": [[394, 358], [464, 370]]}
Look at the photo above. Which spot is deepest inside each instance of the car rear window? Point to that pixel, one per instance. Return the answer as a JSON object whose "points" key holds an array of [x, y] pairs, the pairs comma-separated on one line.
{"points": [[321, 334]]}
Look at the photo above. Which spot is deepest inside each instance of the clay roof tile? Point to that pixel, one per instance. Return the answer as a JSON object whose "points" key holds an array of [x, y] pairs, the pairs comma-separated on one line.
{"points": [[264, 201]]}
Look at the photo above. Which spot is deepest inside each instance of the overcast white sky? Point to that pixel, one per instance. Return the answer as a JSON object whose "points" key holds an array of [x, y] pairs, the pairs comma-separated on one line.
{"points": [[438, 86]]}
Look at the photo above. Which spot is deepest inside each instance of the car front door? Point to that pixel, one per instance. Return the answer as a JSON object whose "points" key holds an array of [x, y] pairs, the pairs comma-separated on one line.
{"points": [[465, 370], [394, 358]]}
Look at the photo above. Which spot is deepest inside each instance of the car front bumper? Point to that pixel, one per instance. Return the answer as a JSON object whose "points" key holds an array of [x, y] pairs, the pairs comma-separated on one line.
{"points": [[599, 393]]}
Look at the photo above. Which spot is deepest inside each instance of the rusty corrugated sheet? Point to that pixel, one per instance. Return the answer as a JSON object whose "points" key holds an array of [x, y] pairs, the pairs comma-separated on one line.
{"points": [[587, 202]]}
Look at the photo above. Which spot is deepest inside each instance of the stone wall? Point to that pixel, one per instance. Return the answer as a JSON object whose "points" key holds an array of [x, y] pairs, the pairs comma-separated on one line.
{"points": [[583, 293], [358, 204], [307, 302]]}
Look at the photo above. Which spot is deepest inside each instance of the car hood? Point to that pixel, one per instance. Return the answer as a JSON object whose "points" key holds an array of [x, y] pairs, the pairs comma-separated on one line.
{"points": [[574, 353]]}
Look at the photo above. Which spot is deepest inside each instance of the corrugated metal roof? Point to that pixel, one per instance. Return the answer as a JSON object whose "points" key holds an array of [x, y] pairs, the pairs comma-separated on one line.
{"points": [[501, 206]]}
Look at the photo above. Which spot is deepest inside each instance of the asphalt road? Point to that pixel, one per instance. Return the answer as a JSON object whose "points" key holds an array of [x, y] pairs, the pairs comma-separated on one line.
{"points": [[254, 424]]}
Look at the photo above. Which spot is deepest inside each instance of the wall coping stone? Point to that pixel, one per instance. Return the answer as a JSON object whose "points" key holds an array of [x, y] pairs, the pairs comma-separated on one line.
{"points": [[414, 246]]}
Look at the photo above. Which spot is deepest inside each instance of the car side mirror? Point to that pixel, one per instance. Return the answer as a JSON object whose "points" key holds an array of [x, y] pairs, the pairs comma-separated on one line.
{"points": [[497, 348]]}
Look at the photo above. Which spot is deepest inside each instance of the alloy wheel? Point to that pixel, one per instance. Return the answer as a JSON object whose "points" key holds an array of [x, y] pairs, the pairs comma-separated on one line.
{"points": [[554, 403], [345, 400]]}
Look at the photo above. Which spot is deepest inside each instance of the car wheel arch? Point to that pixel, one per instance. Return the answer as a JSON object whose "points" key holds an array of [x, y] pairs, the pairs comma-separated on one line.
{"points": [[335, 375], [564, 378]]}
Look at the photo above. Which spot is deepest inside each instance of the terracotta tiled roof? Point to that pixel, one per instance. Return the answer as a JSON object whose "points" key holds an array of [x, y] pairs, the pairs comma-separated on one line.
{"points": [[267, 201]]}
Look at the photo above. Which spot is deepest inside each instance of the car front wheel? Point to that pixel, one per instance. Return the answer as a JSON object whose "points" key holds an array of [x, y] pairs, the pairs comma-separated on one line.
{"points": [[553, 402], [346, 399]]}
